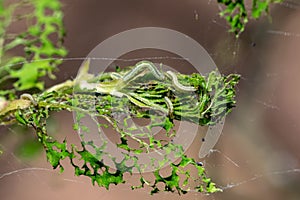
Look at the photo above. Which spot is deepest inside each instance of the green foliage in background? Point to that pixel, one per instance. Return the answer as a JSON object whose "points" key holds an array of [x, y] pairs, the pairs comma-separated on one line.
{"points": [[29, 149], [236, 13], [40, 38], [41, 41]]}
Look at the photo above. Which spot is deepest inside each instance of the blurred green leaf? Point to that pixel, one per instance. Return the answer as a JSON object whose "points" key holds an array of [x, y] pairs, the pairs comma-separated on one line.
{"points": [[29, 149], [40, 50], [236, 14]]}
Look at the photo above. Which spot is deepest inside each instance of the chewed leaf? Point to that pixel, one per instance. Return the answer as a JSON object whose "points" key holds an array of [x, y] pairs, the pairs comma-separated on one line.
{"points": [[37, 41]]}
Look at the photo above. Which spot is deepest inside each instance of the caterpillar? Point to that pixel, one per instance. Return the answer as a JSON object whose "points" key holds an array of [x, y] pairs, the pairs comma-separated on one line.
{"points": [[169, 105], [140, 66], [115, 76], [29, 97], [177, 85], [148, 103]]}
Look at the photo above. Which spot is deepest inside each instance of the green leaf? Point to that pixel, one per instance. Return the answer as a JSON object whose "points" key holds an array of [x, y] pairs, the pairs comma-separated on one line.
{"points": [[20, 118], [39, 46], [236, 15], [168, 125]]}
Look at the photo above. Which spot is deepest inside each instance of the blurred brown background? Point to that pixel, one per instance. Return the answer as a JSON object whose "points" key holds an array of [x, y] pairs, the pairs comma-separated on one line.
{"points": [[257, 155]]}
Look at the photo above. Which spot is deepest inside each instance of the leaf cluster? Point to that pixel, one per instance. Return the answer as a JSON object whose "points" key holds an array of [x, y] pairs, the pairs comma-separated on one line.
{"points": [[212, 100], [41, 41], [236, 13]]}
